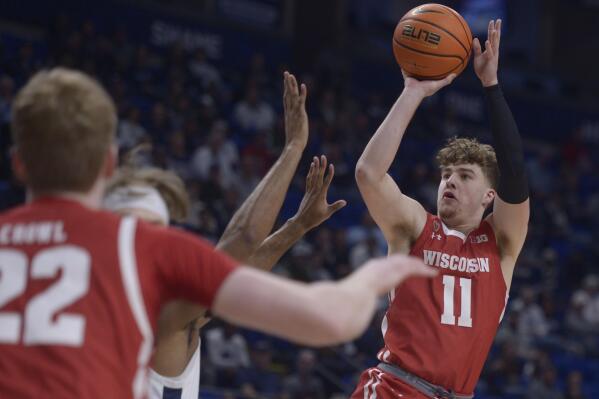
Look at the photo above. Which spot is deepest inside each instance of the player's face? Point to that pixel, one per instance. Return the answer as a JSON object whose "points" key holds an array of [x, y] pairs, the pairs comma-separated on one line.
{"points": [[464, 191], [143, 214]]}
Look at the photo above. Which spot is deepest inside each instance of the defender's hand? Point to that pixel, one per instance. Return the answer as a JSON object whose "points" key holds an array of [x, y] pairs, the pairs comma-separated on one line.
{"points": [[425, 88], [314, 208], [486, 62], [296, 119]]}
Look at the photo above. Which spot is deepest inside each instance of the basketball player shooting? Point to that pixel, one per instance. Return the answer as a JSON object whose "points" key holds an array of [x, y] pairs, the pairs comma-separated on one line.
{"points": [[438, 332]]}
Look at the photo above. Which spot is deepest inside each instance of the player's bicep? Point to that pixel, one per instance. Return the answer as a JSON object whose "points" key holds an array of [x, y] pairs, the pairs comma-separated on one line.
{"points": [[510, 224], [392, 210], [187, 267]]}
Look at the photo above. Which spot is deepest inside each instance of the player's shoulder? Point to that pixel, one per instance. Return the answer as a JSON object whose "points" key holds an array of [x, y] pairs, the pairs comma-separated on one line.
{"points": [[162, 237]]}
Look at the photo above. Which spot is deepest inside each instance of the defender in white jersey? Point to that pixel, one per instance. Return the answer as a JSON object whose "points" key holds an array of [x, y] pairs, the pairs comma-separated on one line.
{"points": [[159, 196]]}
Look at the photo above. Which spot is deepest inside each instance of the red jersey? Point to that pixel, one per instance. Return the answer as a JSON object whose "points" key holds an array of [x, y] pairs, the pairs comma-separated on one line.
{"points": [[441, 329], [80, 292]]}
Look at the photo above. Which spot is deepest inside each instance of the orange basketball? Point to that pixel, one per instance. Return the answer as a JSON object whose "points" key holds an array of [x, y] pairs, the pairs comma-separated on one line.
{"points": [[431, 41]]}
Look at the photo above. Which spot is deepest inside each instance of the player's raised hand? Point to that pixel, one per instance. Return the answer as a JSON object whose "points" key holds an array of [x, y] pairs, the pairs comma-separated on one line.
{"points": [[425, 88], [314, 208], [486, 62], [294, 104]]}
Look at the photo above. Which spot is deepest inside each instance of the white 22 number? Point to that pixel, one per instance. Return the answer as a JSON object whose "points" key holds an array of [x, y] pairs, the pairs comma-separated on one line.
{"points": [[40, 328], [448, 316]]}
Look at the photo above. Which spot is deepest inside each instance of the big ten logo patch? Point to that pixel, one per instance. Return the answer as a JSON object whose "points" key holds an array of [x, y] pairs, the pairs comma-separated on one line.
{"points": [[479, 239]]}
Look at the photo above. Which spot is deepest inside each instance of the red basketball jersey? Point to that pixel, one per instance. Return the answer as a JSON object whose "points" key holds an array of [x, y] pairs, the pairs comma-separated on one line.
{"points": [[80, 292], [441, 329]]}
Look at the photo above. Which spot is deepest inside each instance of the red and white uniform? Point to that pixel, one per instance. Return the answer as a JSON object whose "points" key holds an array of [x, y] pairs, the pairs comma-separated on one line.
{"points": [[80, 292], [441, 329]]}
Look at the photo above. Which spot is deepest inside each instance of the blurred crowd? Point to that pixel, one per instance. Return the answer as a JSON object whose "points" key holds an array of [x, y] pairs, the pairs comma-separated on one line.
{"points": [[220, 127]]}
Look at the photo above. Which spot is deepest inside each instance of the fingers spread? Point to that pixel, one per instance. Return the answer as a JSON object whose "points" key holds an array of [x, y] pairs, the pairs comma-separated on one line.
{"points": [[329, 178], [488, 49], [476, 46], [310, 178], [323, 168], [303, 94], [334, 207], [497, 38], [293, 84]]}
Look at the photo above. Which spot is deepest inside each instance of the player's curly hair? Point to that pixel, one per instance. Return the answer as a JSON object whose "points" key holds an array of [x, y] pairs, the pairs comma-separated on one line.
{"points": [[169, 185], [460, 150]]}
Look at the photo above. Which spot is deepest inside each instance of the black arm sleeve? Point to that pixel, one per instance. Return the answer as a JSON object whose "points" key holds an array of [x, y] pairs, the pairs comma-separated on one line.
{"points": [[513, 183]]}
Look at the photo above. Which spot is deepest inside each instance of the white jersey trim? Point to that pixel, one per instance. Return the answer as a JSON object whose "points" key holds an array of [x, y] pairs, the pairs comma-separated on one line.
{"points": [[188, 381], [450, 232], [128, 265]]}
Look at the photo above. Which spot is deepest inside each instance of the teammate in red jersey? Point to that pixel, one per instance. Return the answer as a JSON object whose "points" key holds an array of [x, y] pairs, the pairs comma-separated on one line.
{"points": [[438, 332], [81, 288]]}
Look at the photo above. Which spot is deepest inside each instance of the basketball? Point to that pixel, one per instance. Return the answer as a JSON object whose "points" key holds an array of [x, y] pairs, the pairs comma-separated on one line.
{"points": [[431, 41]]}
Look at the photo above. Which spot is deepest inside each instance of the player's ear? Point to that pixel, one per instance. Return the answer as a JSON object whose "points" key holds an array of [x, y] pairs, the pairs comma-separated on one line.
{"points": [[489, 197], [18, 167], [110, 162]]}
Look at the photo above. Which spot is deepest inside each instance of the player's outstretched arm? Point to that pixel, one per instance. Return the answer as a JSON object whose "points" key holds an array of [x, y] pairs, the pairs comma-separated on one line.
{"points": [[255, 219], [313, 210], [387, 205], [511, 209], [319, 314]]}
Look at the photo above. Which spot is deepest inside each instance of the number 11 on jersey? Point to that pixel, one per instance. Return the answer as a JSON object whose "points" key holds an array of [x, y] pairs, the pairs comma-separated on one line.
{"points": [[448, 316]]}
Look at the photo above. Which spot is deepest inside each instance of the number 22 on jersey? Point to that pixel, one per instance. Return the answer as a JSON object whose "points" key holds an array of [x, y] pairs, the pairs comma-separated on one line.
{"points": [[38, 323], [448, 316]]}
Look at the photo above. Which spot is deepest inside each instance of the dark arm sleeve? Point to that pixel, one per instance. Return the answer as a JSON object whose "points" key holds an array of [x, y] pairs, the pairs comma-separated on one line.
{"points": [[513, 183]]}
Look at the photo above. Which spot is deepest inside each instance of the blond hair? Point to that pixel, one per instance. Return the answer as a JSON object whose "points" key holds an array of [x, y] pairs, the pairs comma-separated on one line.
{"points": [[169, 185], [63, 124], [470, 150]]}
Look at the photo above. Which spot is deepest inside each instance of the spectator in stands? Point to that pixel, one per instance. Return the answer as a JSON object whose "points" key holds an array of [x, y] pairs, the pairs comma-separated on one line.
{"points": [[248, 176], [503, 373], [253, 114], [365, 249], [159, 124], [130, 132], [227, 354], [261, 377], [588, 297], [204, 71], [177, 155], [532, 323], [574, 386], [304, 383], [219, 151], [543, 386], [360, 232]]}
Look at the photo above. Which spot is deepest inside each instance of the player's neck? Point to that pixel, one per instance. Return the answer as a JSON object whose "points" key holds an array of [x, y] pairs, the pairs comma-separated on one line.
{"points": [[464, 227], [91, 199]]}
